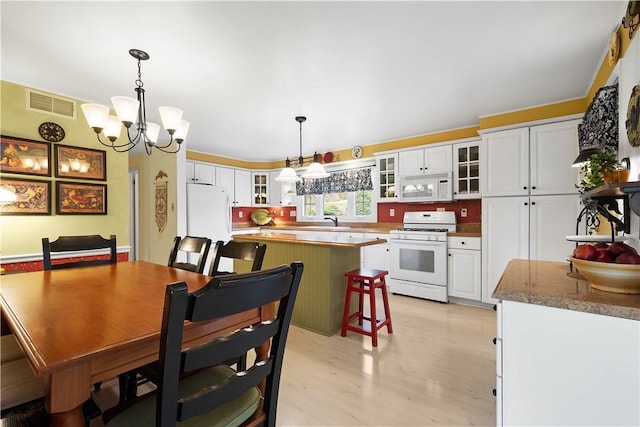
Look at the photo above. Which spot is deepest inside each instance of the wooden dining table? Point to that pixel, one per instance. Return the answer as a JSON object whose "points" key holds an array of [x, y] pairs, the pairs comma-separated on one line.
{"points": [[80, 326]]}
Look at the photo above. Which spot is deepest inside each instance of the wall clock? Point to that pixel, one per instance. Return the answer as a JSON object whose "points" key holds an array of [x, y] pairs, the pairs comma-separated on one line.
{"points": [[51, 132], [356, 152], [633, 117]]}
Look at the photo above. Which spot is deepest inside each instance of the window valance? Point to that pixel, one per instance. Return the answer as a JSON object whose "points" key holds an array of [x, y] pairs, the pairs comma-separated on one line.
{"points": [[337, 182]]}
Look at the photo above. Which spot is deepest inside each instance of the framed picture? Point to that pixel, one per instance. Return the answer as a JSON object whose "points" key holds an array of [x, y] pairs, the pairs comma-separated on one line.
{"points": [[74, 198], [19, 155], [82, 163], [32, 197]]}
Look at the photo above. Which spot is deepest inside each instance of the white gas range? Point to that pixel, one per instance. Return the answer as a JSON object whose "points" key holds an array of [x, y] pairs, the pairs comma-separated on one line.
{"points": [[419, 262]]}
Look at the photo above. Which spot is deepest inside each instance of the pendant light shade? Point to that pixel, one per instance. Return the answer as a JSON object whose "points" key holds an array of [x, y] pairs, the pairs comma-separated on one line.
{"points": [[314, 171], [288, 175]]}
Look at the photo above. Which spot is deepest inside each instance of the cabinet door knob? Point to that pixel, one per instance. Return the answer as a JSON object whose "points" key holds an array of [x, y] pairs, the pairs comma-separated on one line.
{"points": [[533, 188], [524, 188], [495, 392], [533, 203], [494, 341], [526, 204], [463, 243]]}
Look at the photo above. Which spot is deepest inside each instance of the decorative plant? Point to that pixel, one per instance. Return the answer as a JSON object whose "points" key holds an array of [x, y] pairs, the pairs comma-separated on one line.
{"points": [[592, 171]]}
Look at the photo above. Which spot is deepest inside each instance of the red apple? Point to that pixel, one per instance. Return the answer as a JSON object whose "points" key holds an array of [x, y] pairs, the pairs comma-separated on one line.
{"points": [[618, 248], [601, 245], [603, 255], [587, 252], [628, 258]]}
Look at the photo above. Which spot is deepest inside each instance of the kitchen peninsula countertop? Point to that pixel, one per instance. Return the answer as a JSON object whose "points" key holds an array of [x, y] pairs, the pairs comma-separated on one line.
{"points": [[551, 284], [463, 230], [309, 238]]}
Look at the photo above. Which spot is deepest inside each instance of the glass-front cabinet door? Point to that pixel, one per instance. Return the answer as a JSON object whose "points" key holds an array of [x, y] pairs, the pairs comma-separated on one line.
{"points": [[387, 166], [260, 188], [466, 170]]}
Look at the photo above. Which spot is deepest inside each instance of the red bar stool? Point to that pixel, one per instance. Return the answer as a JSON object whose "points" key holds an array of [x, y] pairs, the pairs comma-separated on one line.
{"points": [[366, 281]]}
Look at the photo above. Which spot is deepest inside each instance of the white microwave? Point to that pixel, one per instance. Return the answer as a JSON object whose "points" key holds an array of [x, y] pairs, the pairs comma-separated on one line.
{"points": [[426, 188]]}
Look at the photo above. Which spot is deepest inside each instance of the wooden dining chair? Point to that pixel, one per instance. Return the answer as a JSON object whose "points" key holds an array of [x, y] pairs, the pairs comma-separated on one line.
{"points": [[192, 246], [77, 244], [216, 394], [252, 252]]}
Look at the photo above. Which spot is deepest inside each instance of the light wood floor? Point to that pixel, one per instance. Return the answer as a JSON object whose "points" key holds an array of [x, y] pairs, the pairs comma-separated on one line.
{"points": [[436, 369]]}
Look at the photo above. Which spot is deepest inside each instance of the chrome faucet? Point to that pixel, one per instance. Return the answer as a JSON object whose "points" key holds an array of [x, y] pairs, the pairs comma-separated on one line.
{"points": [[334, 219]]}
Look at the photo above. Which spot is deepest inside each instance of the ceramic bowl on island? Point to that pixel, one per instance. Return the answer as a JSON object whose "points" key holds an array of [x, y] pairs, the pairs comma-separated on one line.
{"points": [[610, 277]]}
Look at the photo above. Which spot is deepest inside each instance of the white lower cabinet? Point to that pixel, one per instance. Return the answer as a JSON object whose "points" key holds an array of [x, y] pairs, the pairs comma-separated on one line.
{"points": [[376, 256], [464, 268], [558, 367], [524, 227]]}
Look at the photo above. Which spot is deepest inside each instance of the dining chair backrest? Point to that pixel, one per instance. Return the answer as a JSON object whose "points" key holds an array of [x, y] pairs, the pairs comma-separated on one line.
{"points": [[207, 392], [78, 244], [195, 246], [246, 251]]}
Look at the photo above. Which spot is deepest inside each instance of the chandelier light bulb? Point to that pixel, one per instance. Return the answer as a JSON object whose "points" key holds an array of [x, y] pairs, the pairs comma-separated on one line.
{"points": [[287, 175], [171, 118], [112, 128], [126, 108], [153, 130], [314, 171], [96, 115], [182, 131]]}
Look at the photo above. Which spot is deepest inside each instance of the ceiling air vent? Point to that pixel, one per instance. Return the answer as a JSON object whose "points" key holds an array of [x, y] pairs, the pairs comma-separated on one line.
{"points": [[38, 101]]}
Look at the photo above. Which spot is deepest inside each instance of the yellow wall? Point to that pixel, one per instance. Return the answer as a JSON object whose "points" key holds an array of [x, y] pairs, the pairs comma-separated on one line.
{"points": [[23, 234], [155, 245]]}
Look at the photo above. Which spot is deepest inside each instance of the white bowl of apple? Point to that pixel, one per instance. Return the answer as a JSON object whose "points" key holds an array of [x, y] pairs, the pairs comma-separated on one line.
{"points": [[611, 267]]}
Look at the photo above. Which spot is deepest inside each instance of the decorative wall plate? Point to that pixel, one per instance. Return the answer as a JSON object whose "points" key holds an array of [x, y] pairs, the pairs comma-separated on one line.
{"points": [[51, 132], [356, 152], [633, 117]]}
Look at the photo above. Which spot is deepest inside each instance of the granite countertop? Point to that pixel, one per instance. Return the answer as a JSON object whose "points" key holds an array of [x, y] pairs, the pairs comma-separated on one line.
{"points": [[311, 238], [551, 284]]}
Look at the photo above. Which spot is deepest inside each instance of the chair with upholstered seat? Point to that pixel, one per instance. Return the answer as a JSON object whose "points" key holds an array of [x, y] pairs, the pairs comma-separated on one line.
{"points": [[192, 246], [252, 252], [216, 394], [72, 244]]}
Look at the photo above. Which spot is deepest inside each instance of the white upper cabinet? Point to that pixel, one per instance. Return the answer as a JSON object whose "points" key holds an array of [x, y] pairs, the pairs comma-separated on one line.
{"points": [[530, 161], [387, 168], [425, 161], [505, 163], [238, 182], [201, 173], [260, 188], [466, 170], [553, 149]]}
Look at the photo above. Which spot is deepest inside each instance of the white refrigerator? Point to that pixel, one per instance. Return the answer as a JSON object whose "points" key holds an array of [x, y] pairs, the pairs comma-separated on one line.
{"points": [[209, 215]]}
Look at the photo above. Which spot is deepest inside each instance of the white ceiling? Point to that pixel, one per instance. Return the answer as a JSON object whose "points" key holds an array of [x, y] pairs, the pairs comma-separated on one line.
{"points": [[362, 72]]}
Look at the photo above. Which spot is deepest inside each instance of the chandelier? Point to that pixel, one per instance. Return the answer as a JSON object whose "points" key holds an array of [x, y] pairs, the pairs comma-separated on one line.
{"points": [[132, 111], [315, 169]]}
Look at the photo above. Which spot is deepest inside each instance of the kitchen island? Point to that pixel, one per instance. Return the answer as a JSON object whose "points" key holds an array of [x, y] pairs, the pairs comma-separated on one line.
{"points": [[566, 354], [320, 299]]}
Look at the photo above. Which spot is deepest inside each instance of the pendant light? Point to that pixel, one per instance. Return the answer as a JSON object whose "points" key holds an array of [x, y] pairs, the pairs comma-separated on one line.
{"points": [[314, 171]]}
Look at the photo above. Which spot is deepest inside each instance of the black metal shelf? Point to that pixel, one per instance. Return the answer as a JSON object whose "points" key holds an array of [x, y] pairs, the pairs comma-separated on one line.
{"points": [[606, 196]]}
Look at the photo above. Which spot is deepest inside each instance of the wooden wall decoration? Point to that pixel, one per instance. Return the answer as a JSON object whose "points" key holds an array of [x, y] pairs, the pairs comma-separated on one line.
{"points": [[161, 199]]}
